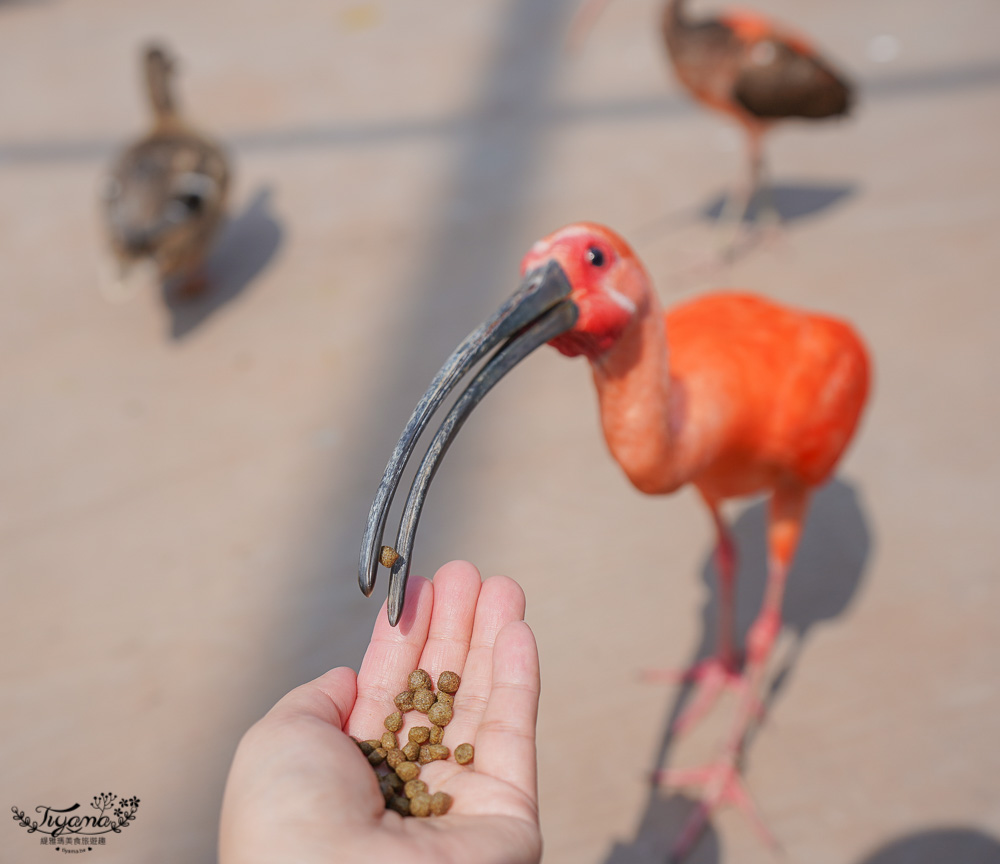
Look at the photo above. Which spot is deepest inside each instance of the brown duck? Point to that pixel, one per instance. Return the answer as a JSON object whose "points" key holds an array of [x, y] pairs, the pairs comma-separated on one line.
{"points": [[166, 193]]}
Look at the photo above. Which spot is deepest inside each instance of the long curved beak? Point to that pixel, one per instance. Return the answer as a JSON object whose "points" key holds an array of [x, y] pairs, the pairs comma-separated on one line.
{"points": [[538, 311]]}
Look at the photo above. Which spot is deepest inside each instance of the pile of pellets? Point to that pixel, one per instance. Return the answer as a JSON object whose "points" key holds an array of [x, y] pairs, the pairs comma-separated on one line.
{"points": [[398, 768]]}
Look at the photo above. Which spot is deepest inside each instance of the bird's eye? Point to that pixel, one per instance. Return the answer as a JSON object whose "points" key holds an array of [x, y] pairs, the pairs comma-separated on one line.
{"points": [[193, 190], [192, 201], [595, 256]]}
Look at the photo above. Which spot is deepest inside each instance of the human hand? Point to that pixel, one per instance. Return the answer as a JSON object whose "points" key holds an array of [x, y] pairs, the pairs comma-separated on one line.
{"points": [[300, 789]]}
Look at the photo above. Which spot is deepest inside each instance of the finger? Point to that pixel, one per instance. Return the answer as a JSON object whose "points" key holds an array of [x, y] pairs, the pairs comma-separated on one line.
{"points": [[501, 601], [330, 698], [456, 592], [505, 743], [391, 656], [298, 748]]}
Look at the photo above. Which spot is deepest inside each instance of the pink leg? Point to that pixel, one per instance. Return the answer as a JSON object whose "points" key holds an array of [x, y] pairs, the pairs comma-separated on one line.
{"points": [[723, 670], [738, 203], [721, 780]]}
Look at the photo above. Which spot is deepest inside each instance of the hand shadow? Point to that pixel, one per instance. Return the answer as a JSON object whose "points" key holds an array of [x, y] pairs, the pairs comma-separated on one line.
{"points": [[245, 246], [824, 579]]}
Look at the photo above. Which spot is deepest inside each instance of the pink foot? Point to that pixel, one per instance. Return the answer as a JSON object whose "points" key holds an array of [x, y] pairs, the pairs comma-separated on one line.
{"points": [[721, 785], [711, 678]]}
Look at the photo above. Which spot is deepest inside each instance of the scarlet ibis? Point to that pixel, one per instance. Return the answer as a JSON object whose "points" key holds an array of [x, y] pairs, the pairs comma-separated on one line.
{"points": [[730, 392], [165, 195], [752, 70]]}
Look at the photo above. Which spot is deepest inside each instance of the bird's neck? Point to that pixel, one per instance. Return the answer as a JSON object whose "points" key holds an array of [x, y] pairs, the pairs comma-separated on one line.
{"points": [[675, 27], [674, 14], [641, 408], [160, 91]]}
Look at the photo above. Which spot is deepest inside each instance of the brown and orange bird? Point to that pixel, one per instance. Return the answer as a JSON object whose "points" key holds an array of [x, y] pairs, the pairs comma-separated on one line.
{"points": [[730, 392], [749, 68]]}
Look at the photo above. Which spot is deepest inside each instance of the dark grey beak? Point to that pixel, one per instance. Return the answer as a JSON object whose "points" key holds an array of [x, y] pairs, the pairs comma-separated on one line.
{"points": [[538, 311]]}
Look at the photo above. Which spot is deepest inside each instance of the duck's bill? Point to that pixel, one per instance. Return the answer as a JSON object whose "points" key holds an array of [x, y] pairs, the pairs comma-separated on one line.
{"points": [[538, 311]]}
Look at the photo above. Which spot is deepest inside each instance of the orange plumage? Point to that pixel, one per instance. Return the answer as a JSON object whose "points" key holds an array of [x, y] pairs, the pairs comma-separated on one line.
{"points": [[790, 384], [731, 392]]}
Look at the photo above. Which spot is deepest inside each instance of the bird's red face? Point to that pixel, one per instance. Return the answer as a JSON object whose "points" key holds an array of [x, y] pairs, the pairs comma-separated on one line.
{"points": [[601, 269]]}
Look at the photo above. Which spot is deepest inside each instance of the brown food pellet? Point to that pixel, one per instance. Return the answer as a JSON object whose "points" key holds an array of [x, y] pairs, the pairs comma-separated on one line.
{"points": [[420, 805], [377, 756], [387, 556], [440, 803], [414, 787], [386, 791], [438, 751], [401, 788], [419, 734], [440, 714], [408, 771], [448, 682], [419, 680], [424, 700]]}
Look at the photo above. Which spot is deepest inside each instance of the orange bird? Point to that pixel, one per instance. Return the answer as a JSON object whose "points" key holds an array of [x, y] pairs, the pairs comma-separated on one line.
{"points": [[750, 69], [730, 392]]}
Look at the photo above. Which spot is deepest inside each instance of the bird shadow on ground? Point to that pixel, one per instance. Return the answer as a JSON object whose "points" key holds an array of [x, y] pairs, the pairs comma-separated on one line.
{"points": [[937, 845], [825, 577], [662, 822], [792, 201], [246, 245]]}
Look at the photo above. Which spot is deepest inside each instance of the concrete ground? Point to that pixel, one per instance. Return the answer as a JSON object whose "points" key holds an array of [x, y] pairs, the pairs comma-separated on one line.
{"points": [[185, 486]]}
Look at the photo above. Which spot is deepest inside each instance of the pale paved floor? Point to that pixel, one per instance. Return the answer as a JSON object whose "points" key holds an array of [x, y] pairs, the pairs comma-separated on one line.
{"points": [[184, 488]]}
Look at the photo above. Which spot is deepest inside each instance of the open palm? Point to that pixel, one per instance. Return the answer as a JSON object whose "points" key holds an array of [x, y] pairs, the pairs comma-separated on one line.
{"points": [[300, 789]]}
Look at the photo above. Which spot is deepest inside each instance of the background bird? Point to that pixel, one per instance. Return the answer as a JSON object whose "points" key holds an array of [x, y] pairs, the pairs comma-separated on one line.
{"points": [[730, 392], [165, 196], [750, 69]]}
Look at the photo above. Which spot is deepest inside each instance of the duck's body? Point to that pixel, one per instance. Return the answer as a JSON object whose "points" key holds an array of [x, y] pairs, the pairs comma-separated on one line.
{"points": [[166, 193]]}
